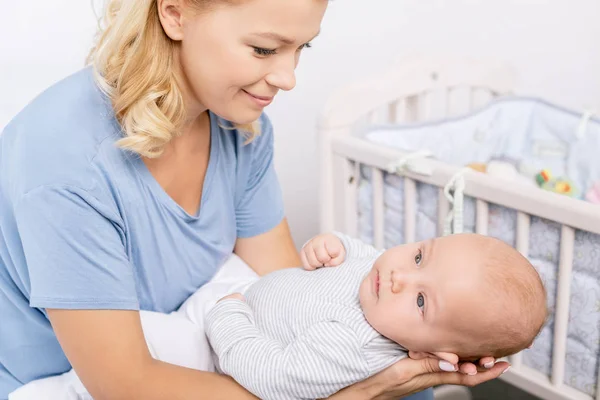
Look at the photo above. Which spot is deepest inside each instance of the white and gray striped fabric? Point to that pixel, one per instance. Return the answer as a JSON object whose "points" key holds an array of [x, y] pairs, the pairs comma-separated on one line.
{"points": [[301, 334]]}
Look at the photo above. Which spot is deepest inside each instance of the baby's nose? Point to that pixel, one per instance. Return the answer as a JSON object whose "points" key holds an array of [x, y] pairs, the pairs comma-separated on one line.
{"points": [[397, 282]]}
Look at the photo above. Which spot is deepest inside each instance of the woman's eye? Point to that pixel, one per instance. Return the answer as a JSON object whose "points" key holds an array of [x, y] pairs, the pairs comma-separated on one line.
{"points": [[264, 52], [305, 46], [421, 302], [419, 258]]}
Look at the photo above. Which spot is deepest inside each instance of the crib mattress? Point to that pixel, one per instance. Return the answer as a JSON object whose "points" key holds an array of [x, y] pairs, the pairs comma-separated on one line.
{"points": [[583, 341]]}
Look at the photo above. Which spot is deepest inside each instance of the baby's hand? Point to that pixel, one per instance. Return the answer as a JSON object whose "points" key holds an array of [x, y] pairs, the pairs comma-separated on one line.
{"points": [[237, 296], [324, 250]]}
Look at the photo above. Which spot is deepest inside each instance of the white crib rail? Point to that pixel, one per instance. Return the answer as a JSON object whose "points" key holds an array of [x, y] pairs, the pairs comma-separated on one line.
{"points": [[562, 209]]}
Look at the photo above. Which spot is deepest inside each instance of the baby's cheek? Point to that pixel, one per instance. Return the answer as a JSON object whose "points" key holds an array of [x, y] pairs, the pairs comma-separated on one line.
{"points": [[390, 321]]}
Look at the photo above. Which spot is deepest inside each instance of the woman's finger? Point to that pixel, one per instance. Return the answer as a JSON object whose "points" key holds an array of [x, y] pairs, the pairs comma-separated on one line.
{"points": [[408, 368], [417, 355], [487, 362], [451, 378], [483, 376], [468, 368]]}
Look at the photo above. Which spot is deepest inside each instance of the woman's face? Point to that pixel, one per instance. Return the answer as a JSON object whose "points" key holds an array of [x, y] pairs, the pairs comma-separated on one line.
{"points": [[235, 58]]}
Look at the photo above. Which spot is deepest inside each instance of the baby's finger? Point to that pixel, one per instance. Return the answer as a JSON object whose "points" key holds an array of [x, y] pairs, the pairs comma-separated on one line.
{"points": [[334, 247], [311, 257], [305, 264], [321, 253], [336, 252]]}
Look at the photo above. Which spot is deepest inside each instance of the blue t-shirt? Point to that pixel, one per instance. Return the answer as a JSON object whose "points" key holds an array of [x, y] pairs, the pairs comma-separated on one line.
{"points": [[84, 225]]}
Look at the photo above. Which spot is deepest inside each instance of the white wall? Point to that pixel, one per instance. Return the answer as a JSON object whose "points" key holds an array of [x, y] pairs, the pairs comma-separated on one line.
{"points": [[554, 45]]}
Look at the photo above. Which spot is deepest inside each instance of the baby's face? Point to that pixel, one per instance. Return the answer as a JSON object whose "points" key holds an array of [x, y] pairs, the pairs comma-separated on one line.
{"points": [[421, 294]]}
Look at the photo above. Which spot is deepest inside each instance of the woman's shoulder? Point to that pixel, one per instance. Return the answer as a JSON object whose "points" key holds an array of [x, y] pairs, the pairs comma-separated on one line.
{"points": [[56, 136], [64, 108]]}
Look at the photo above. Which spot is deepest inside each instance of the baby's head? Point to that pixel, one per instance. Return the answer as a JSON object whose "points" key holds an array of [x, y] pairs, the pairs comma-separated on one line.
{"points": [[465, 294]]}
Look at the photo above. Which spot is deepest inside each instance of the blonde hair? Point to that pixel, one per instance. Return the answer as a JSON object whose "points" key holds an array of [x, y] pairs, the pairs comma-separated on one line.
{"points": [[133, 62]]}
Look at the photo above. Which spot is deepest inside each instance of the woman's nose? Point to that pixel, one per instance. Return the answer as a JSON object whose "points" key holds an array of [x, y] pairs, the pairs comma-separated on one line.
{"points": [[284, 75]]}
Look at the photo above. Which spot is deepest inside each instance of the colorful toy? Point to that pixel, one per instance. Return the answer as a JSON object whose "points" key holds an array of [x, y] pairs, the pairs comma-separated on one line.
{"points": [[543, 177], [557, 185]]}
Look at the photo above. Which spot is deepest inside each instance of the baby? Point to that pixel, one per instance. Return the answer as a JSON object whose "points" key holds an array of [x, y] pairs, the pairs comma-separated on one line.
{"points": [[353, 311]]}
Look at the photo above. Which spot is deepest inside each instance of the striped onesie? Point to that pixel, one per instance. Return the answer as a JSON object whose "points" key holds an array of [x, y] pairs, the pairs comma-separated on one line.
{"points": [[302, 334]]}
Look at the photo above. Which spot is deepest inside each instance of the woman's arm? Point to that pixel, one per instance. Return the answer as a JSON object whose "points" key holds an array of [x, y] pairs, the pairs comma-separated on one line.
{"points": [[108, 351], [270, 251]]}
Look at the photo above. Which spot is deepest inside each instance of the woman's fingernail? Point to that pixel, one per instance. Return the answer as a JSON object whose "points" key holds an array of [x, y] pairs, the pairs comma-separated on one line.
{"points": [[489, 365], [446, 366], [507, 368], [472, 373]]}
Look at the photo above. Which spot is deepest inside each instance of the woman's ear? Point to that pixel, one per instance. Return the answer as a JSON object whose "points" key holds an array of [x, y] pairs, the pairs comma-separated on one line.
{"points": [[170, 13]]}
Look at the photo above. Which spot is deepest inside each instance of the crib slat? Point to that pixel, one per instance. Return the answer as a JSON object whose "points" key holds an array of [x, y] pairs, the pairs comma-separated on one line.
{"points": [[522, 245], [410, 210], [425, 112], [523, 221], [393, 112], [412, 109], [563, 296], [401, 110], [443, 210], [352, 177], [378, 217], [481, 221]]}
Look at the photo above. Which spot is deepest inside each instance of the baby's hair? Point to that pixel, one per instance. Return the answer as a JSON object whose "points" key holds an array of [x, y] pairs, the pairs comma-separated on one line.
{"points": [[518, 302], [133, 65]]}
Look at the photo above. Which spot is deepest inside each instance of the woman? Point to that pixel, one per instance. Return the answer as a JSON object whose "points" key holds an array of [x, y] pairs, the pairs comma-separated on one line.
{"points": [[126, 185]]}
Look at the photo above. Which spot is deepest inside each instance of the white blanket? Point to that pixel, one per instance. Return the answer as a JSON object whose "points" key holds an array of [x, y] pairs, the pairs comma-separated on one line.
{"points": [[177, 338]]}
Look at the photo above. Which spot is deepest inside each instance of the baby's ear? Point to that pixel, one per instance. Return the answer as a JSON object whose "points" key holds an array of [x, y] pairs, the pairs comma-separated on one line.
{"points": [[449, 357]]}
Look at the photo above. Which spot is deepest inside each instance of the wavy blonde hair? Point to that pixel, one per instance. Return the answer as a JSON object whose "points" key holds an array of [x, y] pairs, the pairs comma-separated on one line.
{"points": [[133, 62]]}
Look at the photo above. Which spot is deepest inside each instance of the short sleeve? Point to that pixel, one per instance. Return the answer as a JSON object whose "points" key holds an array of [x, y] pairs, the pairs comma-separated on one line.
{"points": [[260, 208], [74, 250]]}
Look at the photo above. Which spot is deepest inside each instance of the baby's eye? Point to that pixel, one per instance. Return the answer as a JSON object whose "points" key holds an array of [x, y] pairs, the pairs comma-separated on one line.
{"points": [[419, 257], [421, 302]]}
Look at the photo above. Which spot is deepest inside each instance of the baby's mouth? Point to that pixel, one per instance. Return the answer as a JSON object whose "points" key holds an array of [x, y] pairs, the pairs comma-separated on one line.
{"points": [[377, 284]]}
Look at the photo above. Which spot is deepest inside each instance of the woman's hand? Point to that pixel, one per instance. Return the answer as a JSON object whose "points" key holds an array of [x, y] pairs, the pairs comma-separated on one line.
{"points": [[326, 250], [449, 366], [409, 376]]}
